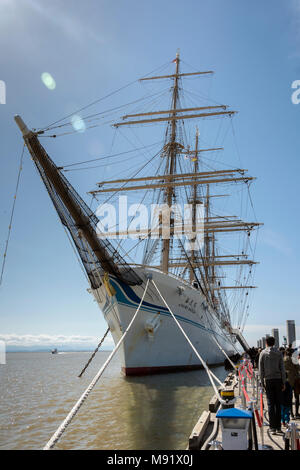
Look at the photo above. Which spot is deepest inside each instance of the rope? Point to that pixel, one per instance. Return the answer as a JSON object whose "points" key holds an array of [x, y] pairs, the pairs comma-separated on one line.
{"points": [[93, 261], [109, 156], [76, 255], [273, 440], [100, 99], [245, 392], [259, 421], [233, 365], [87, 106], [247, 373], [209, 372], [56, 436], [94, 353], [11, 216], [242, 380]]}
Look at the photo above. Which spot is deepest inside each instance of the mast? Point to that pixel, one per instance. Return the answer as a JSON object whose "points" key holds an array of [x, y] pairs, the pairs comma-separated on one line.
{"points": [[171, 181], [207, 237], [194, 203], [213, 270], [99, 256], [172, 148], [169, 192]]}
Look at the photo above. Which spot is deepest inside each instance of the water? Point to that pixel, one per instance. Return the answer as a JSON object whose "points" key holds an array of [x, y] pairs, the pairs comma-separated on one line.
{"points": [[37, 390]]}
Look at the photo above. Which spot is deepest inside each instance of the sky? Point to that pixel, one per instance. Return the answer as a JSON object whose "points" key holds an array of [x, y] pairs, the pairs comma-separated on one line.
{"points": [[94, 47]]}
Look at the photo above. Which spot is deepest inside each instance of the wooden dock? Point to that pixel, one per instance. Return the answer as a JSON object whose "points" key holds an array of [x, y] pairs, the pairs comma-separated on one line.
{"points": [[207, 435]]}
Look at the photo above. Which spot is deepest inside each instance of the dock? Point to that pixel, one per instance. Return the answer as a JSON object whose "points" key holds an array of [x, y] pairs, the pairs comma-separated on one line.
{"points": [[243, 393]]}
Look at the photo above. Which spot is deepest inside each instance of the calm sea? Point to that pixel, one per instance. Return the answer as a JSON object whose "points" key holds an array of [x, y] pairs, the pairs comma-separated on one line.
{"points": [[37, 390]]}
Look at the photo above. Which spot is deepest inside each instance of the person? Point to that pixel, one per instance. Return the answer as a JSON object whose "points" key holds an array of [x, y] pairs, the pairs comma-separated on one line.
{"points": [[257, 357], [252, 353], [296, 395], [292, 371], [273, 376], [297, 390], [286, 404]]}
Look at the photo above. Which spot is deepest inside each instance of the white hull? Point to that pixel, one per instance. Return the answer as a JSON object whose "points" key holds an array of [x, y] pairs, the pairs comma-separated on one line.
{"points": [[154, 343]]}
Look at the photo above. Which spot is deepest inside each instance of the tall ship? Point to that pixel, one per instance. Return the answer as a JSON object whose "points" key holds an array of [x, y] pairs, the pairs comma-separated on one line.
{"points": [[162, 224]]}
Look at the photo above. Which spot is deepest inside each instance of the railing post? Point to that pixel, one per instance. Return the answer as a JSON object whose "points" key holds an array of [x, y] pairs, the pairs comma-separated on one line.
{"points": [[294, 434]]}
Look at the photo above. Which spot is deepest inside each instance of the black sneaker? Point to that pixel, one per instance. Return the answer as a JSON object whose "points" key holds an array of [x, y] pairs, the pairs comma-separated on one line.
{"points": [[272, 431], [279, 431]]}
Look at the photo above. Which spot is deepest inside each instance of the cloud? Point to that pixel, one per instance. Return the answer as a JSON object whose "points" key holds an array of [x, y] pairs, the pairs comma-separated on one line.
{"points": [[75, 29], [44, 340]]}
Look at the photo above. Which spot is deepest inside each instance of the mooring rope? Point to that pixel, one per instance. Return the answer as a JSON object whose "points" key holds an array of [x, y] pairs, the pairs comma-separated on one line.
{"points": [[12, 215], [94, 353], [208, 371], [224, 352], [56, 436]]}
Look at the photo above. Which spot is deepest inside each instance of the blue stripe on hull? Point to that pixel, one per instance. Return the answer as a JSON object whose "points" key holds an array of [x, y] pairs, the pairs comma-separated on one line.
{"points": [[132, 295], [148, 307]]}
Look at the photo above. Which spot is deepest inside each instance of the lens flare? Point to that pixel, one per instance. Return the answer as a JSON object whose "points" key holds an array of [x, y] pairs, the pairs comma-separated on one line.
{"points": [[48, 80], [78, 123]]}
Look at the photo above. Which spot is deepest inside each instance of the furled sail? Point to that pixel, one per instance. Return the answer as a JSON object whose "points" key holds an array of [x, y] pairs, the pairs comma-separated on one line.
{"points": [[97, 255]]}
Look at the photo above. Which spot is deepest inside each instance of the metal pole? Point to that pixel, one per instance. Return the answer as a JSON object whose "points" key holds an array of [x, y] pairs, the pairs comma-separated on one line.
{"points": [[257, 386], [243, 400], [293, 436], [262, 435], [252, 404], [287, 439]]}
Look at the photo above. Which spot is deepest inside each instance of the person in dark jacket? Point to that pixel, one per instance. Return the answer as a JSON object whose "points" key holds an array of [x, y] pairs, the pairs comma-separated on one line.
{"points": [[292, 370], [273, 377]]}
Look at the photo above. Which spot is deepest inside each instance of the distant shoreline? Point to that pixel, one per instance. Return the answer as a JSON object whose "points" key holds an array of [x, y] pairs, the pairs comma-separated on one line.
{"points": [[49, 350]]}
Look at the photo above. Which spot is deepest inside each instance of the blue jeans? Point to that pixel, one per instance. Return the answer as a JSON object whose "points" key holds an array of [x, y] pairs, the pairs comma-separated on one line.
{"points": [[285, 414], [274, 391]]}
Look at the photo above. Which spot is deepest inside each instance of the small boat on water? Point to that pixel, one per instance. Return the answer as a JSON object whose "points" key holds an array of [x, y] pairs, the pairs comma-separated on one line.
{"points": [[54, 351]]}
